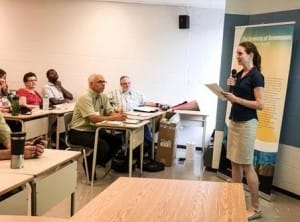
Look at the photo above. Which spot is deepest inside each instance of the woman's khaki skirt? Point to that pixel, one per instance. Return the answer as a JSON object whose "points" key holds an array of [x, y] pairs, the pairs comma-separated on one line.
{"points": [[240, 141]]}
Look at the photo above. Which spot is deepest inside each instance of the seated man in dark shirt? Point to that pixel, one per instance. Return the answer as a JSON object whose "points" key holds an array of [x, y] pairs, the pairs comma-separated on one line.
{"points": [[54, 89], [57, 94]]}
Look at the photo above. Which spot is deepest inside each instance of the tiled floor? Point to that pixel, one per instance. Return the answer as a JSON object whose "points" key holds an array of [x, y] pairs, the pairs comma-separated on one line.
{"points": [[281, 209]]}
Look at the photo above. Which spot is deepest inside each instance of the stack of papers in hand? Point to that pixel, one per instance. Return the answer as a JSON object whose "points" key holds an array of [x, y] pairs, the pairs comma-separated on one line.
{"points": [[146, 109], [216, 89]]}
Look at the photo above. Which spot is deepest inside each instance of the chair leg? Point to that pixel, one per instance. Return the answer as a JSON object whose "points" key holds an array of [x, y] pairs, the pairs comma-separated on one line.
{"points": [[86, 165], [107, 169]]}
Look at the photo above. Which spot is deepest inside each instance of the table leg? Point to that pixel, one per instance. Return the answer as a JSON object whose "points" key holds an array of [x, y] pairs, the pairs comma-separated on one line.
{"points": [[33, 198], [130, 153], [142, 158], [95, 155], [57, 132], [153, 121], [203, 133], [72, 204]]}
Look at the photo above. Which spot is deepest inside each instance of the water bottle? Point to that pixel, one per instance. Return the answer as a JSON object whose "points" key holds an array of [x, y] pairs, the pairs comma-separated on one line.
{"points": [[189, 152], [10, 97], [17, 150], [5, 101], [46, 102], [15, 106]]}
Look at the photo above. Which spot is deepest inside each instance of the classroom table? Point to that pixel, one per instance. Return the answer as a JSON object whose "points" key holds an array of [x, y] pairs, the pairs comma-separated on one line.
{"points": [[187, 117], [54, 178], [58, 115], [144, 199], [194, 118], [152, 117], [12, 218], [15, 203], [35, 124], [136, 139]]}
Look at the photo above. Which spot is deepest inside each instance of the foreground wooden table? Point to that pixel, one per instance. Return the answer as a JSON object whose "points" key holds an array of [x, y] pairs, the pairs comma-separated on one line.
{"points": [[11, 218], [143, 199]]}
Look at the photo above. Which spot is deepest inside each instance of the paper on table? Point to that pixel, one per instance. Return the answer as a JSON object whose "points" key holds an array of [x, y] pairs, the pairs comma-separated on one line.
{"points": [[132, 121], [115, 123], [135, 113], [216, 89], [146, 109]]}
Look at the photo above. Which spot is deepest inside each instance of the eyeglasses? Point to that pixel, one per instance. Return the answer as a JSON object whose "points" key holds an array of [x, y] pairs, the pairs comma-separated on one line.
{"points": [[101, 81], [125, 83], [31, 80]]}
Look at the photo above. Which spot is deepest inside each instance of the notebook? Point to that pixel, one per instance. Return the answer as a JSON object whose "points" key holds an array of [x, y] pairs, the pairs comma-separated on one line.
{"points": [[146, 109], [131, 121]]}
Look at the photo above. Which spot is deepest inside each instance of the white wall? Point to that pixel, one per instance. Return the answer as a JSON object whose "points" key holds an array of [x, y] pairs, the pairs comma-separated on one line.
{"points": [[78, 38]]}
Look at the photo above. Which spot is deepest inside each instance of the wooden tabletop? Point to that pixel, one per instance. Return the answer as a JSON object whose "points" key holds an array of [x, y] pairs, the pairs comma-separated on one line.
{"points": [[35, 114], [13, 218], [60, 109], [12, 181], [121, 125], [49, 160], [145, 199], [143, 115], [63, 108], [191, 112]]}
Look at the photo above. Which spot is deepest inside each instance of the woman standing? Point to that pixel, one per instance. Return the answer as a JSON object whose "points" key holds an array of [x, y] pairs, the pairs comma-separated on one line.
{"points": [[246, 98]]}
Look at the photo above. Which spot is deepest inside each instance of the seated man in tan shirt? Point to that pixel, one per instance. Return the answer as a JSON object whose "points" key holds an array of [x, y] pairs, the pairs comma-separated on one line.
{"points": [[90, 108]]}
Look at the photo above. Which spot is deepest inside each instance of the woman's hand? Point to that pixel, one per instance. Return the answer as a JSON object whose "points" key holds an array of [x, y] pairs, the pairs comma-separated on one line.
{"points": [[231, 81], [5, 109], [230, 97]]}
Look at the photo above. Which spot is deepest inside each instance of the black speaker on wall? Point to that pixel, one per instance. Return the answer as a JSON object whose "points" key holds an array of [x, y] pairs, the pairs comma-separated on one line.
{"points": [[184, 21]]}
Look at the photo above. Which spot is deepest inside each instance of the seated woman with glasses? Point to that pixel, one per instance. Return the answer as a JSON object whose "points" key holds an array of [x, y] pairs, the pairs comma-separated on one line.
{"points": [[29, 97]]}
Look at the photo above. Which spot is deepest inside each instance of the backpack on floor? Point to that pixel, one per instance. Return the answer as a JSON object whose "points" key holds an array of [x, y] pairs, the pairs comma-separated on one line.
{"points": [[153, 166], [120, 162]]}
